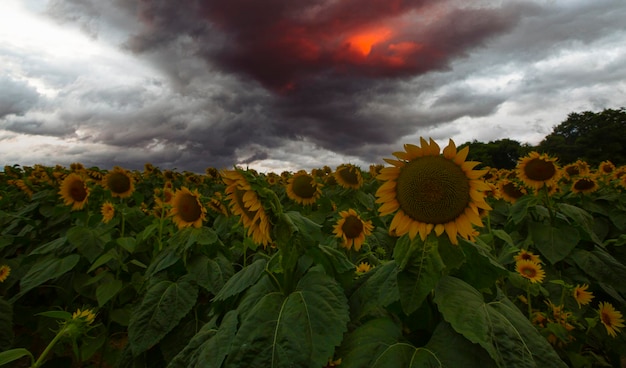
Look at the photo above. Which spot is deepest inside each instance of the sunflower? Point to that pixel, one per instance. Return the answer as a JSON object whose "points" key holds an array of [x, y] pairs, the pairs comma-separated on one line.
{"points": [[582, 296], [86, 315], [510, 191], [348, 176], [216, 204], [530, 270], [362, 268], [5, 271], [187, 209], [429, 191], [527, 255], [245, 203], [352, 229], [606, 167], [537, 170], [303, 188], [610, 318], [119, 182], [585, 184], [74, 191], [108, 211]]}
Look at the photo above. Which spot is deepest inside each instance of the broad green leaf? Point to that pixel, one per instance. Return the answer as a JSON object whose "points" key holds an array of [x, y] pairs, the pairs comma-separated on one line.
{"points": [[401, 251], [242, 280], [162, 261], [107, 290], [503, 235], [490, 270], [581, 217], [334, 261], [423, 270], [52, 246], [106, 257], [361, 347], [602, 266], [14, 354], [554, 243], [454, 350], [88, 241], [300, 330], [379, 290], [403, 355], [161, 309], [499, 327], [519, 210], [44, 270], [128, 243], [189, 355], [63, 315], [6, 325], [211, 274], [213, 352]]}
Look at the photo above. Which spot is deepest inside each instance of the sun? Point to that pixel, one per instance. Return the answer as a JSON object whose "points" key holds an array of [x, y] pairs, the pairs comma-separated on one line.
{"points": [[429, 192]]}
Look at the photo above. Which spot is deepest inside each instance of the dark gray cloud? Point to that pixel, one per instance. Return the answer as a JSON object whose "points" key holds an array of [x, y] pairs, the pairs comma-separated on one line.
{"points": [[219, 85], [17, 97]]}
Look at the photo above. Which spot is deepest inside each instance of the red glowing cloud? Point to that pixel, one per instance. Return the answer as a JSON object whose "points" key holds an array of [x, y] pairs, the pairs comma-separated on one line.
{"points": [[283, 42]]}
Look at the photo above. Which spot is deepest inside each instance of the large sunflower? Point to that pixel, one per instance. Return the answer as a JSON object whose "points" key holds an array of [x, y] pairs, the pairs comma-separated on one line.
{"points": [[303, 188], [538, 170], [585, 184], [187, 209], [352, 229], [119, 182], [611, 319], [245, 203], [510, 191], [74, 191], [348, 176], [429, 191]]}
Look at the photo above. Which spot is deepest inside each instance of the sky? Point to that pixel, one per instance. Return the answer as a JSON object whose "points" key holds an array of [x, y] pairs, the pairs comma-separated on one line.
{"points": [[284, 85]]}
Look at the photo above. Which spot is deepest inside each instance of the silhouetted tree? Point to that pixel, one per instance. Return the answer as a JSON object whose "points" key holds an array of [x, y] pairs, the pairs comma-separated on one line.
{"points": [[501, 154], [593, 137]]}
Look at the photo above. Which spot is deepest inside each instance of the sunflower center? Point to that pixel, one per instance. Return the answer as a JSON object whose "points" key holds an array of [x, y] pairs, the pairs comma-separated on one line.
{"points": [[433, 189], [349, 176], [606, 319], [352, 227], [529, 272], [584, 184], [303, 186], [512, 191], [572, 170], [540, 170], [78, 191], [188, 207], [118, 182]]}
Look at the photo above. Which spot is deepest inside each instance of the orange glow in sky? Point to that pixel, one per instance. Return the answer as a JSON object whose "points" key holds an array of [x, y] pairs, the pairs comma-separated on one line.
{"points": [[363, 41]]}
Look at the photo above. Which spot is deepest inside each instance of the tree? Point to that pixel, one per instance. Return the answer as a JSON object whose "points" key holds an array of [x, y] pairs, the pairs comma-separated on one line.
{"points": [[592, 137], [500, 154]]}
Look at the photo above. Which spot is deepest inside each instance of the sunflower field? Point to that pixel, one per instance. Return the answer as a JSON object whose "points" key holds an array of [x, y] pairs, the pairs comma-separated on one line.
{"points": [[428, 261]]}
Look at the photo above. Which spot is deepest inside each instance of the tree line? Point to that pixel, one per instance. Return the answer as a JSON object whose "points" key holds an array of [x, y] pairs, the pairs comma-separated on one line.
{"points": [[589, 136]]}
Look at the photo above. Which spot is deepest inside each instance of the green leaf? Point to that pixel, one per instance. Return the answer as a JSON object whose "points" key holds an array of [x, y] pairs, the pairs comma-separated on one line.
{"points": [[379, 290], [163, 306], [211, 274], [44, 270], [490, 270], [423, 270], [6, 325], [401, 355], [88, 241], [51, 246], [63, 315], [334, 261], [128, 243], [107, 290], [503, 235], [519, 210], [162, 261], [499, 327], [300, 330], [602, 266], [213, 352], [13, 355], [242, 280], [106, 257], [362, 347], [188, 356], [454, 350], [554, 243], [582, 218]]}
